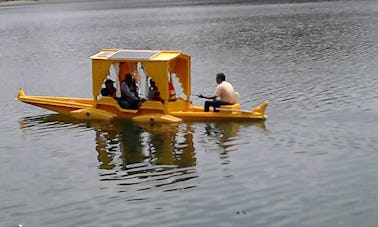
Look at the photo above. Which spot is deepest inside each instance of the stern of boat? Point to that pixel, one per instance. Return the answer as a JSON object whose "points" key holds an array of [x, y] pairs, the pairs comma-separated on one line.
{"points": [[20, 94], [260, 110]]}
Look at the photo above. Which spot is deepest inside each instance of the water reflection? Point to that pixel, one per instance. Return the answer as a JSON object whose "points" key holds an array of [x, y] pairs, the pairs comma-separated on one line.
{"points": [[141, 157], [153, 155], [107, 147], [155, 145], [226, 136], [226, 132]]}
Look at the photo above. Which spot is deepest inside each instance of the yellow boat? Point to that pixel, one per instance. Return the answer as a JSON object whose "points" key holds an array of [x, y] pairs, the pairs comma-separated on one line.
{"points": [[163, 67]]}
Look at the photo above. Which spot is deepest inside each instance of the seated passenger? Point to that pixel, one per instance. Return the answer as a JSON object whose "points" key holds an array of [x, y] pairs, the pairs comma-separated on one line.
{"points": [[109, 89], [153, 93], [129, 93]]}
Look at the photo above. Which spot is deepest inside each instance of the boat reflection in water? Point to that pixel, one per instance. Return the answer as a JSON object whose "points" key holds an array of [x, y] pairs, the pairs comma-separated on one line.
{"points": [[139, 156], [226, 132], [225, 135]]}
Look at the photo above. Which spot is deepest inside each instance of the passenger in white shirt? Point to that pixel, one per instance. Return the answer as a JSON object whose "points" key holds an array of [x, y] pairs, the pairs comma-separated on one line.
{"points": [[224, 91]]}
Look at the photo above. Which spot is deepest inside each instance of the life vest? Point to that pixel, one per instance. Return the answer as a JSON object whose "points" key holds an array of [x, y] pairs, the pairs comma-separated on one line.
{"points": [[172, 92]]}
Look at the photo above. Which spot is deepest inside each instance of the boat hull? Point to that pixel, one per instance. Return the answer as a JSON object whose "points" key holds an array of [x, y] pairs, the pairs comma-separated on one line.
{"points": [[107, 108], [196, 113]]}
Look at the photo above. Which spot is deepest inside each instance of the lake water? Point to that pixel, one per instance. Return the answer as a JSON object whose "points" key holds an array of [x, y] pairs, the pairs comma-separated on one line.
{"points": [[313, 162]]}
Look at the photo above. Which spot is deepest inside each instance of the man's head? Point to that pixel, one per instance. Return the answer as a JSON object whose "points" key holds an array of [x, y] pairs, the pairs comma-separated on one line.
{"points": [[152, 83], [109, 82], [129, 78], [220, 77]]}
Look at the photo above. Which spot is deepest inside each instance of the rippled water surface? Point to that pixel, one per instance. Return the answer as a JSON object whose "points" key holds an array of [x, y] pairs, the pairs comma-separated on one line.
{"points": [[312, 163]]}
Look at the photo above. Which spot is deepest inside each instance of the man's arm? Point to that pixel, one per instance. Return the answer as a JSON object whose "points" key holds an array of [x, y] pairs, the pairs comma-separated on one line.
{"points": [[207, 97]]}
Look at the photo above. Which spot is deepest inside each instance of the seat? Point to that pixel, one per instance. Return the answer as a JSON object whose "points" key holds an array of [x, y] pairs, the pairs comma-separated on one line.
{"points": [[235, 106]]}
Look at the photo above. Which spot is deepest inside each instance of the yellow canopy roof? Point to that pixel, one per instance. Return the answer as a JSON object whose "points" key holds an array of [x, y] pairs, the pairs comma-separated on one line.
{"points": [[136, 55]]}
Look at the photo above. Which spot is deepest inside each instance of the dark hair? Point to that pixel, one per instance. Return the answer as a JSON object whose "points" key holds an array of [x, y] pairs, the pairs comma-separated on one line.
{"points": [[129, 78], [221, 76], [108, 81], [152, 83]]}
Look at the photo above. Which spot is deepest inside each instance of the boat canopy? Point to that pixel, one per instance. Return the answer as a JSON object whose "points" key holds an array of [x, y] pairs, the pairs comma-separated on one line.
{"points": [[157, 64]]}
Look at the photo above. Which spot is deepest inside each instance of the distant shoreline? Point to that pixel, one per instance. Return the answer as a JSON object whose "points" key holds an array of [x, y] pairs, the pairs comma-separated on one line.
{"points": [[30, 2], [160, 2]]}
